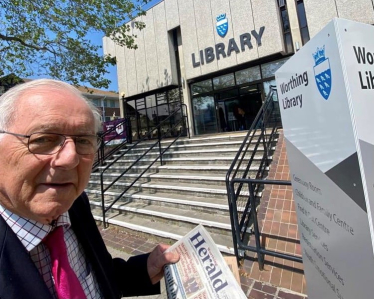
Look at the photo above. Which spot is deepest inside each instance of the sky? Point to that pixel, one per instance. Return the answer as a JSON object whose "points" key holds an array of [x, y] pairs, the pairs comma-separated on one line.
{"points": [[96, 38]]}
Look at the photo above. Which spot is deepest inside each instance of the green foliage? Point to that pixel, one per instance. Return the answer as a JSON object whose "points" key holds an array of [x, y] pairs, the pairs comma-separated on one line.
{"points": [[49, 38]]}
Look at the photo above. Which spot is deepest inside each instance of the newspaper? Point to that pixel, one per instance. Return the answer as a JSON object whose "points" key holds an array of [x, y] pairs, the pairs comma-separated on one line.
{"points": [[201, 272]]}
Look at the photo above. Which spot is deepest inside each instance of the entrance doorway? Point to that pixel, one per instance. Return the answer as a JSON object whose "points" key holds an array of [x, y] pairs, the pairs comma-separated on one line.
{"points": [[228, 111]]}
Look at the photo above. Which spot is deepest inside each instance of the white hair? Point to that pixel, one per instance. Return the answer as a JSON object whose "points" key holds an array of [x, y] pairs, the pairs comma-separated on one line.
{"points": [[8, 101]]}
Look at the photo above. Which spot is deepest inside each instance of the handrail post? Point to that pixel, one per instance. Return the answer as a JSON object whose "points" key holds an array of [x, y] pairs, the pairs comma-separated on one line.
{"points": [[159, 142], [101, 153], [231, 196], [260, 256], [128, 129], [102, 199]]}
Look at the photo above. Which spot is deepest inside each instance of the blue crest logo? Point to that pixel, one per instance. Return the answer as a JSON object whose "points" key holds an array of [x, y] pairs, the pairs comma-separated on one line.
{"points": [[322, 72], [222, 25]]}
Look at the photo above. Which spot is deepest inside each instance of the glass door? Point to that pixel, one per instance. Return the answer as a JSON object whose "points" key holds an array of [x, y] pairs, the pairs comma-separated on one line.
{"points": [[205, 119]]}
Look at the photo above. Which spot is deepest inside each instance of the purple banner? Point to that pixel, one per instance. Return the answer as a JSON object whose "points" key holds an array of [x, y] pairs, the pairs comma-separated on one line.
{"points": [[118, 133]]}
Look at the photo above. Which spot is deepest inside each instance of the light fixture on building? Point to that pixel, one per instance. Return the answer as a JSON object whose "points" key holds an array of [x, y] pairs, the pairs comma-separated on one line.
{"points": [[124, 103], [297, 46]]}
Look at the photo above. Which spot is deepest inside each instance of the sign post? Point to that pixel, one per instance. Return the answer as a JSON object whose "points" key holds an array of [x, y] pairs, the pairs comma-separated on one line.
{"points": [[326, 97]]}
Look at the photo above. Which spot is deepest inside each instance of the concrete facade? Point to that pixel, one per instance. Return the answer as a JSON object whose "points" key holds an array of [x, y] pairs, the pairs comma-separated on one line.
{"points": [[255, 38], [152, 65]]}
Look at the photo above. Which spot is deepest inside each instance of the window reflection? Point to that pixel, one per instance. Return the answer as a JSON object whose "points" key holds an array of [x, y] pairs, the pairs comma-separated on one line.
{"points": [[201, 87], [204, 115], [248, 75], [224, 81]]}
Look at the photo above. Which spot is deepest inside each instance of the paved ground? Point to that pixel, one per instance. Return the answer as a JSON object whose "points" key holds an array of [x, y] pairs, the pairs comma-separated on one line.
{"points": [[122, 244]]}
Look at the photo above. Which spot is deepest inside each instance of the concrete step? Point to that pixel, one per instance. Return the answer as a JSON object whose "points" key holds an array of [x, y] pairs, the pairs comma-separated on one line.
{"points": [[171, 199], [210, 202], [201, 190], [178, 153], [198, 160], [178, 176], [195, 169], [168, 223], [178, 216], [191, 145], [164, 233], [214, 205]]}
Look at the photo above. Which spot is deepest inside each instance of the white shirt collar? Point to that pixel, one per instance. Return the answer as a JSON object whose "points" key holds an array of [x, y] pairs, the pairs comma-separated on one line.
{"points": [[31, 232]]}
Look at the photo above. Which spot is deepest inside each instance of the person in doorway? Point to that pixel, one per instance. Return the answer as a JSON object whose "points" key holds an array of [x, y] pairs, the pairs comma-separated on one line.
{"points": [[50, 246], [239, 114], [222, 120]]}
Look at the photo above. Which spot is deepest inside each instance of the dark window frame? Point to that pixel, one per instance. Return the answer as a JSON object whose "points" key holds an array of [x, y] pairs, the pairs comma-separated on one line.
{"points": [[303, 22], [287, 36]]}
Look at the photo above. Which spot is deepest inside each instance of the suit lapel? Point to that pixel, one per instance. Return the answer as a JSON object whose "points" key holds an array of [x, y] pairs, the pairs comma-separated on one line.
{"points": [[19, 277]]}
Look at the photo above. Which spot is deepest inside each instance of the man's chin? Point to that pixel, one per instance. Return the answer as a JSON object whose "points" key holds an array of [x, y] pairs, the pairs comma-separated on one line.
{"points": [[50, 212]]}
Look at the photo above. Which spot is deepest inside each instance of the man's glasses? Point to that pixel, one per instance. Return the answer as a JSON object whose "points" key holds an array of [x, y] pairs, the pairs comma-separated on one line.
{"points": [[51, 143]]}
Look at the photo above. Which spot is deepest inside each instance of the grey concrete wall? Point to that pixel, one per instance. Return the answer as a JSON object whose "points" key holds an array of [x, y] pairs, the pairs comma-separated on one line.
{"points": [[198, 28], [153, 64], [319, 15]]}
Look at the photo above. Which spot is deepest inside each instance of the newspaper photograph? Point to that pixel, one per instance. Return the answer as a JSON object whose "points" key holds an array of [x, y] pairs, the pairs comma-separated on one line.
{"points": [[202, 272]]}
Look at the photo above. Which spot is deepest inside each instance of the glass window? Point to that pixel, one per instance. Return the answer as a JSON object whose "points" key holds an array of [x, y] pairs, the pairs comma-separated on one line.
{"points": [[201, 87], [228, 94], [161, 98], [96, 102], [248, 75], [140, 104], [286, 29], [249, 89], [150, 101], [132, 103], [269, 69], [302, 21], [267, 88], [224, 81], [288, 42], [105, 103], [174, 95], [204, 115], [112, 104]]}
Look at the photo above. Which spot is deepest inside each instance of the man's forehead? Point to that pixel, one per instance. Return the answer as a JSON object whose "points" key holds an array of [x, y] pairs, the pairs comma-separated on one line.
{"points": [[44, 103]]}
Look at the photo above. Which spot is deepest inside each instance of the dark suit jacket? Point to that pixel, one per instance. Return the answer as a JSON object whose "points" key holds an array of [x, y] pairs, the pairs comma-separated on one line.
{"points": [[19, 277]]}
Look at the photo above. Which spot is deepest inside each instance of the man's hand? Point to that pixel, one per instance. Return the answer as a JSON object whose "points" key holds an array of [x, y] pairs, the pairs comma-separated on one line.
{"points": [[158, 259]]}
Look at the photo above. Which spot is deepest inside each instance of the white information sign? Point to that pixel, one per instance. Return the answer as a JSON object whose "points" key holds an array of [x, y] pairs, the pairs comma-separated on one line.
{"points": [[326, 98]]}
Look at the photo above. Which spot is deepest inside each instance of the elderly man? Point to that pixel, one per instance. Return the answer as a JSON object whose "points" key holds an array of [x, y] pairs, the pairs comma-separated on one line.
{"points": [[50, 246]]}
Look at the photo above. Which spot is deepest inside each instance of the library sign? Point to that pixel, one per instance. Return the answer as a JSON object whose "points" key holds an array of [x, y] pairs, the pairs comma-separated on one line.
{"points": [[222, 50], [326, 93]]}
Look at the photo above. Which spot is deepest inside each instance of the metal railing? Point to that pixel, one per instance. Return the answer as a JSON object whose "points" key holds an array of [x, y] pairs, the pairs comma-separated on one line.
{"points": [[179, 126], [243, 190], [110, 142]]}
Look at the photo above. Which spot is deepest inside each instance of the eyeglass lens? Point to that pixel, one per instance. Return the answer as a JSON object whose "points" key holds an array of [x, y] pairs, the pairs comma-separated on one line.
{"points": [[49, 143]]}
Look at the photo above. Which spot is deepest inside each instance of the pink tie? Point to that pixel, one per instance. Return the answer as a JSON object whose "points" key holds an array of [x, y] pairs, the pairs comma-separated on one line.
{"points": [[66, 282]]}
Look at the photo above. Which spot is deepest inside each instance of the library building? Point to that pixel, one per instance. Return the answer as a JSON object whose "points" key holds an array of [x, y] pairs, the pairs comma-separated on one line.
{"points": [[216, 57]]}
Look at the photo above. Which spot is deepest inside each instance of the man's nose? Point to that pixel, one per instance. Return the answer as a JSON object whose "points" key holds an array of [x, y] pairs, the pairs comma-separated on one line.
{"points": [[67, 155]]}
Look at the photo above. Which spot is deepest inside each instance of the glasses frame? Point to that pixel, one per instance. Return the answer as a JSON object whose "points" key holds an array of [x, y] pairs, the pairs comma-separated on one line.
{"points": [[99, 141]]}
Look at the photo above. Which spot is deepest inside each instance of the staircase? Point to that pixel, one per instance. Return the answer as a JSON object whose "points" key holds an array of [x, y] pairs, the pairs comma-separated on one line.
{"points": [[171, 199]]}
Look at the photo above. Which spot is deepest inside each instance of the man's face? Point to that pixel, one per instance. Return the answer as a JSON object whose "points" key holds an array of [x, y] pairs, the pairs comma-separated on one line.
{"points": [[42, 187]]}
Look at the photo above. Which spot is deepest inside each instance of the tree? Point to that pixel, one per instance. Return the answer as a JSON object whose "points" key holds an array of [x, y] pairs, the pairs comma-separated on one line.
{"points": [[49, 38]]}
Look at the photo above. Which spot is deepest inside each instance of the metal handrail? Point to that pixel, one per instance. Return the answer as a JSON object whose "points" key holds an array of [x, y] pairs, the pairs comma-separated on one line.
{"points": [[104, 151], [266, 124], [184, 130]]}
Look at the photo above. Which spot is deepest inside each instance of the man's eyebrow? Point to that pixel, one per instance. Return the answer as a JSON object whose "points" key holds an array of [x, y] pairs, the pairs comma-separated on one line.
{"points": [[57, 129]]}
